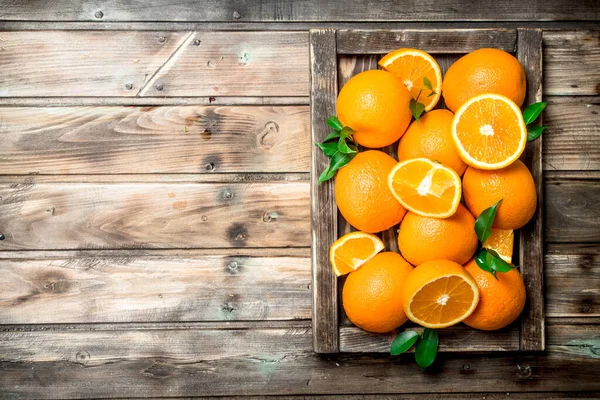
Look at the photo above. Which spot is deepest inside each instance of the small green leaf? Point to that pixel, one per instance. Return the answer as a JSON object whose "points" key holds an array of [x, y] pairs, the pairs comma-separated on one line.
{"points": [[328, 148], [533, 111], [343, 147], [496, 262], [403, 342], [483, 224], [534, 132], [482, 262], [346, 132], [338, 160], [427, 347], [416, 109], [331, 136], [431, 94], [185, 129], [335, 123], [427, 83]]}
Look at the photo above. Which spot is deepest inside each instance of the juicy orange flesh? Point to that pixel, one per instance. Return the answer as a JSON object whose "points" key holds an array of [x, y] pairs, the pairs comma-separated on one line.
{"points": [[412, 69], [415, 175], [428, 303], [489, 116], [353, 253], [502, 241]]}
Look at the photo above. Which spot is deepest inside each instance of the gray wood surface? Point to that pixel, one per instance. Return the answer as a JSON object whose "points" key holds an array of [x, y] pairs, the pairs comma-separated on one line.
{"points": [[146, 140], [323, 94], [309, 10], [153, 215]]}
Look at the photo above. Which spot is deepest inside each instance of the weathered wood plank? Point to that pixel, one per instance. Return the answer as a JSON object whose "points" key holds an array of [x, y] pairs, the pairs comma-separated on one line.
{"points": [[571, 210], [571, 62], [458, 339], [87, 289], [416, 396], [323, 72], [144, 140], [572, 140], [531, 246], [310, 10], [65, 63], [153, 101], [357, 41], [129, 63], [572, 281], [261, 362], [235, 64], [79, 216]]}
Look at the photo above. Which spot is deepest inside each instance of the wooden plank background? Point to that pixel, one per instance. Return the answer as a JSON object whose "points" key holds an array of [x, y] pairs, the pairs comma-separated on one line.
{"points": [[110, 274]]}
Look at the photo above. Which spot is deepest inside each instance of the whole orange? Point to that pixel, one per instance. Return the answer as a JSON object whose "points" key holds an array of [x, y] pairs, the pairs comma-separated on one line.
{"points": [[362, 193], [423, 239], [484, 71], [513, 184], [431, 138], [375, 104], [372, 295], [500, 300]]}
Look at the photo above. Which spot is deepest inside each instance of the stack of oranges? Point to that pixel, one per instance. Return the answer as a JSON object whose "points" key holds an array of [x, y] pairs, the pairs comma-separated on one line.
{"points": [[453, 163]]}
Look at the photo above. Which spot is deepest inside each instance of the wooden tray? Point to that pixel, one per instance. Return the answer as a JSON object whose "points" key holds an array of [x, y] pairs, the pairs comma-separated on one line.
{"points": [[335, 56]]}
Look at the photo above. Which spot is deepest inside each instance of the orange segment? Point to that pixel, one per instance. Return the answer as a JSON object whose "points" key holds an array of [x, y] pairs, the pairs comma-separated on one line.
{"points": [[352, 250], [439, 294], [502, 241], [489, 131], [425, 187], [411, 66]]}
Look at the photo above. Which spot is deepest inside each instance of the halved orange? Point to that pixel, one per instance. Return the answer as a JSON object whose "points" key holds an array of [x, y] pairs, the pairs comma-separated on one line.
{"points": [[425, 187], [352, 250], [502, 241], [411, 66], [489, 131], [439, 294]]}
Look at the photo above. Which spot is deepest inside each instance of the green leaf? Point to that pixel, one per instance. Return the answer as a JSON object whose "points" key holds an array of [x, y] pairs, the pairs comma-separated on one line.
{"points": [[482, 262], [185, 129], [335, 123], [403, 342], [346, 132], [534, 132], [338, 160], [483, 224], [427, 347], [331, 136], [416, 109], [343, 147], [533, 111], [328, 148], [428, 85], [496, 262]]}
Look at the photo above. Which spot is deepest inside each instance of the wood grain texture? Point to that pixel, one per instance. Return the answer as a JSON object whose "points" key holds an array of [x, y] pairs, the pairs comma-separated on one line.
{"points": [[120, 288], [144, 140], [357, 41], [571, 62], [457, 339], [323, 72], [65, 63], [278, 361], [310, 10], [531, 245], [572, 140], [153, 215], [572, 281], [235, 64], [571, 211], [188, 64]]}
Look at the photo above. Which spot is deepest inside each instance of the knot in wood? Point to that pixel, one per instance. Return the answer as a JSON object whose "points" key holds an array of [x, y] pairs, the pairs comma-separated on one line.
{"points": [[523, 371], [267, 137], [82, 357], [210, 166], [270, 216]]}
